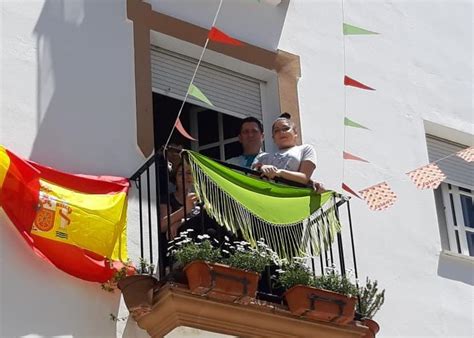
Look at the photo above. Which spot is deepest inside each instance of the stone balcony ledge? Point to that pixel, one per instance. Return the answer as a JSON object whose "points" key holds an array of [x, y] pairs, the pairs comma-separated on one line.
{"points": [[174, 305]]}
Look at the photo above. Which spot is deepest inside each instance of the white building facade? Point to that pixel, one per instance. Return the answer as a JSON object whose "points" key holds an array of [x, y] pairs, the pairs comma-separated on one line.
{"points": [[73, 98]]}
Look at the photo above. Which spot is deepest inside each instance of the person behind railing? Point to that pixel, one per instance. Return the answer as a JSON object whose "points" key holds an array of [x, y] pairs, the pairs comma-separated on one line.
{"points": [[291, 162], [196, 219], [251, 138], [173, 158], [176, 199]]}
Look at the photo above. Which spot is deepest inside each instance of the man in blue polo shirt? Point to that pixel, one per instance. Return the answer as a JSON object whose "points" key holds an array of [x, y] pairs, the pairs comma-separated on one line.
{"points": [[251, 138]]}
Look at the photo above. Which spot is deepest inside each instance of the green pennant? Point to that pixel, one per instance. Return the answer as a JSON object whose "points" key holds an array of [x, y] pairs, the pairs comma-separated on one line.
{"points": [[351, 123], [198, 94], [353, 30]]}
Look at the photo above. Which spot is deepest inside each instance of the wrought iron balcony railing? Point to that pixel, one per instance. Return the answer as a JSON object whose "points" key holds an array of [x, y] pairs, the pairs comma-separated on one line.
{"points": [[151, 184]]}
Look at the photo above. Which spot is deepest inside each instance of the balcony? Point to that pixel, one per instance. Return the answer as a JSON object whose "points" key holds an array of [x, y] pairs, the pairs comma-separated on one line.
{"points": [[169, 300], [174, 305]]}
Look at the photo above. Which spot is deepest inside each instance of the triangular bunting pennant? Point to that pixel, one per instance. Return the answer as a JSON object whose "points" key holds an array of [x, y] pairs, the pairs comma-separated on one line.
{"points": [[348, 156], [349, 190], [219, 36], [466, 154], [353, 30], [353, 83], [182, 131], [198, 94], [379, 196], [350, 123], [427, 177]]}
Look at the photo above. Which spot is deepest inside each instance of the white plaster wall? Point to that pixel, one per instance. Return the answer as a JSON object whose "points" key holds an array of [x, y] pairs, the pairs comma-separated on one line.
{"points": [[252, 21], [421, 66]]}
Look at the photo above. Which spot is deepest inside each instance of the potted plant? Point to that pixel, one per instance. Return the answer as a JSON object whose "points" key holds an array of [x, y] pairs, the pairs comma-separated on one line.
{"points": [[226, 272], [137, 290], [126, 270], [370, 301], [329, 297]]}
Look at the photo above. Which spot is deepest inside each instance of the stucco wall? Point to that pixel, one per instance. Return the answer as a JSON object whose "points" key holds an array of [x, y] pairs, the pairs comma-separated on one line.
{"points": [[421, 68], [255, 22], [67, 100]]}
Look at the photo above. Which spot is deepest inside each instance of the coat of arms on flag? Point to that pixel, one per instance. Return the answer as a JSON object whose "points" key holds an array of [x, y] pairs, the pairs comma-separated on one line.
{"points": [[466, 154], [427, 177], [379, 196]]}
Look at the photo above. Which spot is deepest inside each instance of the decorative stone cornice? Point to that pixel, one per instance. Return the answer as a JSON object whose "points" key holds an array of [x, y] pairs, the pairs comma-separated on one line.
{"points": [[176, 306]]}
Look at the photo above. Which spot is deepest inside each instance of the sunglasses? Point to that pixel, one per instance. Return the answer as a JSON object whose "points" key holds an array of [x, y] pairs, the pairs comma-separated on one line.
{"points": [[284, 129]]}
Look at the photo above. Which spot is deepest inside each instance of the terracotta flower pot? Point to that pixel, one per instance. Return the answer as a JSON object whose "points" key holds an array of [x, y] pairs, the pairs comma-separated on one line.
{"points": [[221, 281], [373, 327], [137, 291], [320, 304]]}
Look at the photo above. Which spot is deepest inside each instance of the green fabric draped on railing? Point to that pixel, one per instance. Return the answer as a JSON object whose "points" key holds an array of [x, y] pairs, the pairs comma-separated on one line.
{"points": [[293, 221]]}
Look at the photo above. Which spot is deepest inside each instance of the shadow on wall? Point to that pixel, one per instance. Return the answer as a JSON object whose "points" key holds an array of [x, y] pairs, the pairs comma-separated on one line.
{"points": [[456, 268], [86, 123], [86, 88]]}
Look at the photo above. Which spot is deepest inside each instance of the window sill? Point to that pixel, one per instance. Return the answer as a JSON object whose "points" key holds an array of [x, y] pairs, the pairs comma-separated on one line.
{"points": [[456, 267], [458, 257]]}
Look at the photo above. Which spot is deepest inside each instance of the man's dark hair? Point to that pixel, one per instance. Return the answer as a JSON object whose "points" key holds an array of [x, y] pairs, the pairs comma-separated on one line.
{"points": [[251, 119]]}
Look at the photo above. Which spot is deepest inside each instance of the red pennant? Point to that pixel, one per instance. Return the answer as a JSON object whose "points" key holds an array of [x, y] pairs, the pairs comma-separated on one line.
{"points": [[351, 82], [349, 190], [348, 156], [183, 131], [219, 36]]}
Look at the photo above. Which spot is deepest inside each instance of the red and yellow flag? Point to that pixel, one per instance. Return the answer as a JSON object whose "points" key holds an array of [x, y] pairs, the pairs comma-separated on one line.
{"points": [[76, 222]]}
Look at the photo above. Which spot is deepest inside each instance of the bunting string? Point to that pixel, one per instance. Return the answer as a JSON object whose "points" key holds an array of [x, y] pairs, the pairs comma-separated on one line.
{"points": [[428, 176], [192, 79], [380, 196], [344, 186]]}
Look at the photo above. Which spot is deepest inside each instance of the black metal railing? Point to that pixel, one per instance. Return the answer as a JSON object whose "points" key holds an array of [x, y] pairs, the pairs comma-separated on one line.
{"points": [[152, 185]]}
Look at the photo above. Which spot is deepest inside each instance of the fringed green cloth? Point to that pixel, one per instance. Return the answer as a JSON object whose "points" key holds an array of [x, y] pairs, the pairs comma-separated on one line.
{"points": [[292, 221]]}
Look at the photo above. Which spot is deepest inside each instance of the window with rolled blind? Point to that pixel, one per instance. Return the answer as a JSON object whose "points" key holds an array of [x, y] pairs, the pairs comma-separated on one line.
{"points": [[455, 197], [230, 92], [233, 96]]}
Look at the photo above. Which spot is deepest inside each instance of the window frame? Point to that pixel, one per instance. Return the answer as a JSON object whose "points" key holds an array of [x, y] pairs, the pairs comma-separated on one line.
{"points": [[284, 65], [451, 197]]}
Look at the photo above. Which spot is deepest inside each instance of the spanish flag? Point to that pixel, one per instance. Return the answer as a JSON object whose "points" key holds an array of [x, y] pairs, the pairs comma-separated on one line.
{"points": [[76, 222]]}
